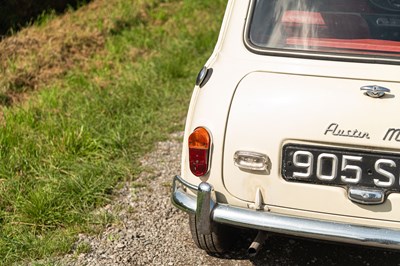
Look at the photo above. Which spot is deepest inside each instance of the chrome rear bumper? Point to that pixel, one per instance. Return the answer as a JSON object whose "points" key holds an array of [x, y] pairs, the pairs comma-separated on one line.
{"points": [[277, 223]]}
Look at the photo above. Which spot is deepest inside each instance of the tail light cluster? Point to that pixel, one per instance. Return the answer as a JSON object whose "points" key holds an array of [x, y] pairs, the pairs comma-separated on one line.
{"points": [[199, 151]]}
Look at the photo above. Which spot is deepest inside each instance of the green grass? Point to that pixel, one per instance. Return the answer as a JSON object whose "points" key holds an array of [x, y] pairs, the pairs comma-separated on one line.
{"points": [[66, 148]]}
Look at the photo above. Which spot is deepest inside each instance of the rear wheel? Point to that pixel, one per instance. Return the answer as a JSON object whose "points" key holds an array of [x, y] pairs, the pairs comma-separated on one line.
{"points": [[219, 241]]}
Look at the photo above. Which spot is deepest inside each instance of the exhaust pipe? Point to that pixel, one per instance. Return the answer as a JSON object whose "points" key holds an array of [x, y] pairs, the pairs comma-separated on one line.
{"points": [[257, 244]]}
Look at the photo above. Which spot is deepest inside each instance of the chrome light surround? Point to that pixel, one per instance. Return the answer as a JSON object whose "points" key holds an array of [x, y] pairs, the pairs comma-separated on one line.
{"points": [[253, 161]]}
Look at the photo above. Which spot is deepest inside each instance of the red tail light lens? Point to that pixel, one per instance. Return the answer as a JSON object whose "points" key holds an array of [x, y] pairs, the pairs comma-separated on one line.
{"points": [[199, 149]]}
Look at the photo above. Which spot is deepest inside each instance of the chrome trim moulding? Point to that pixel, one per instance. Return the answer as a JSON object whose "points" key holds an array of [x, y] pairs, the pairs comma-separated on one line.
{"points": [[290, 225]]}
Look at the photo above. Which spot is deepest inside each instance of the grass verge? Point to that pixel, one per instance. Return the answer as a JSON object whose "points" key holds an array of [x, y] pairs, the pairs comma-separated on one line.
{"points": [[115, 78]]}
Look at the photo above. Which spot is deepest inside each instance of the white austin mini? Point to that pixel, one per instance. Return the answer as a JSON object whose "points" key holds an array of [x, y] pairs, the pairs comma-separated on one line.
{"points": [[293, 127]]}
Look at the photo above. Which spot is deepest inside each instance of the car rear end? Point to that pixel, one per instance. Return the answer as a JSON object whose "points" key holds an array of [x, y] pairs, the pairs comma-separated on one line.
{"points": [[299, 107]]}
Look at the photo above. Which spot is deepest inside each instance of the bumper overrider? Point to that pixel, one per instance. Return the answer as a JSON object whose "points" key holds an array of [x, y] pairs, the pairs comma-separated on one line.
{"points": [[207, 210]]}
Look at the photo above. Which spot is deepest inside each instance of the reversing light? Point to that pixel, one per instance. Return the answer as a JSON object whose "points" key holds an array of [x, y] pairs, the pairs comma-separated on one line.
{"points": [[252, 161], [199, 151]]}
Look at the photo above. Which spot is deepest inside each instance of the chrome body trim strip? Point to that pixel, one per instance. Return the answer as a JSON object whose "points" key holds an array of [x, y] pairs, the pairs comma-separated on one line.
{"points": [[290, 225]]}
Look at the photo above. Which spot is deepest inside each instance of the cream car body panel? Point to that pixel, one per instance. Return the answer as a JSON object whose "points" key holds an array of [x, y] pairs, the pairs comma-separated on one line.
{"points": [[261, 102], [264, 117]]}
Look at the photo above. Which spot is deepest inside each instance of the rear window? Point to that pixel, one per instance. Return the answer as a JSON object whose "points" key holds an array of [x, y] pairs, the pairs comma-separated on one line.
{"points": [[362, 27]]}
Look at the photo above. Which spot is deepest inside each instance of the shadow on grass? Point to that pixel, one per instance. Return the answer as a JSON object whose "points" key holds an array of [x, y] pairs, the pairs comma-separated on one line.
{"points": [[15, 14]]}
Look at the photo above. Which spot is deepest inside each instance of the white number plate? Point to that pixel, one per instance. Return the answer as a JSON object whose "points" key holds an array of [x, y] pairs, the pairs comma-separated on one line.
{"points": [[319, 165]]}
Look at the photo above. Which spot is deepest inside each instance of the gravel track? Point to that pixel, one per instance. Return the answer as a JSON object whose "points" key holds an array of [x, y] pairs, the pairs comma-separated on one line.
{"points": [[151, 231]]}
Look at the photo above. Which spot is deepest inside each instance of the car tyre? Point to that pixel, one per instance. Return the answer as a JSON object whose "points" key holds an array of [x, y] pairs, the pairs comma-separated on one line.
{"points": [[218, 242]]}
